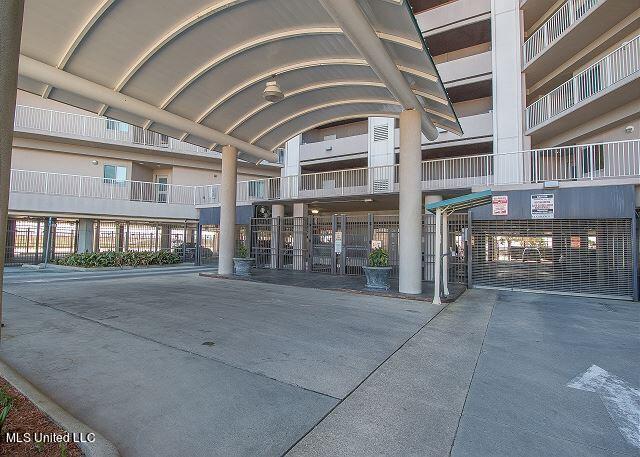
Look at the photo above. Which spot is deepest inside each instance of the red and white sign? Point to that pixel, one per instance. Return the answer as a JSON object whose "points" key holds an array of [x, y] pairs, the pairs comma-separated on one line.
{"points": [[500, 205]]}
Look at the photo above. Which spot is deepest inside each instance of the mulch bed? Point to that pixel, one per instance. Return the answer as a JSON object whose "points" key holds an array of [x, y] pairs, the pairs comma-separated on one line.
{"points": [[25, 417]]}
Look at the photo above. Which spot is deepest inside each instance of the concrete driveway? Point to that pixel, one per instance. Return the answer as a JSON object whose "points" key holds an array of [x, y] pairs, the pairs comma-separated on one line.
{"points": [[175, 364]]}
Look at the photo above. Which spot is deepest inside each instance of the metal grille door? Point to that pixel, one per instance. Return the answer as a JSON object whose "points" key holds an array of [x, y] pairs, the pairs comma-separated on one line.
{"points": [[590, 257], [322, 249]]}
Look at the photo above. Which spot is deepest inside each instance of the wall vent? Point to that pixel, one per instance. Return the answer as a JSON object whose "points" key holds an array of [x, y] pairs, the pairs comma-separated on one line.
{"points": [[380, 132]]}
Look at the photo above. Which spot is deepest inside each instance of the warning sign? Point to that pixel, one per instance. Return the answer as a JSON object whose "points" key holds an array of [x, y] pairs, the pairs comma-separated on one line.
{"points": [[542, 206], [500, 205]]}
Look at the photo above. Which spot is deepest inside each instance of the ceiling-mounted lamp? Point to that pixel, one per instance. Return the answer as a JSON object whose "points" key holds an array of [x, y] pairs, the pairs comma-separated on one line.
{"points": [[272, 92], [315, 211]]}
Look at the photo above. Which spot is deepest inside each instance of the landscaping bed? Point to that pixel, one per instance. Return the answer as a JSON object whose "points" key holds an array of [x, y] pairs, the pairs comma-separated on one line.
{"points": [[25, 419], [119, 259]]}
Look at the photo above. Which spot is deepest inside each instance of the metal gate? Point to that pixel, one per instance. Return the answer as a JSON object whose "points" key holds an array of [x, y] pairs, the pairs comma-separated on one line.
{"points": [[340, 244], [458, 226], [589, 257]]}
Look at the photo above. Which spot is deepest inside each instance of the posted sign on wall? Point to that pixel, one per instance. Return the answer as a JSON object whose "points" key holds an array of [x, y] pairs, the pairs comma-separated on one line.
{"points": [[500, 205], [542, 206]]}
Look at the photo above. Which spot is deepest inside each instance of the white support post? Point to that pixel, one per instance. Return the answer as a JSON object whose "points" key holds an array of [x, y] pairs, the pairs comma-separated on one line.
{"points": [[438, 260], [445, 251], [300, 213], [410, 281], [228, 210]]}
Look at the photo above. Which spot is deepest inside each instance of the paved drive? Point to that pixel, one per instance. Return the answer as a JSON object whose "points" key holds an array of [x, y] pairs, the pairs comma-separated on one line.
{"points": [[175, 364]]}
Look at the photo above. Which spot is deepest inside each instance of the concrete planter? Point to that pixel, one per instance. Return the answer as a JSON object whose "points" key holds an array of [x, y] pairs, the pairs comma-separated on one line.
{"points": [[242, 266], [377, 277]]}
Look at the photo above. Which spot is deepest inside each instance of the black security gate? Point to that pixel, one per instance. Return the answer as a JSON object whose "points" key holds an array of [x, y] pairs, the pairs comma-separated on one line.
{"points": [[341, 244], [590, 257]]}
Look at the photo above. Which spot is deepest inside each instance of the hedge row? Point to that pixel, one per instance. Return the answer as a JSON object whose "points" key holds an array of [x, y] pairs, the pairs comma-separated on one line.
{"points": [[119, 259]]}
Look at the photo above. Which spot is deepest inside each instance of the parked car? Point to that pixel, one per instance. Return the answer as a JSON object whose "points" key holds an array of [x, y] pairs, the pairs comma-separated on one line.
{"points": [[531, 255], [191, 251]]}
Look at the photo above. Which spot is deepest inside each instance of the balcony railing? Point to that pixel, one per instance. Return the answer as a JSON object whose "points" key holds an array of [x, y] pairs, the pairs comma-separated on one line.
{"points": [[619, 159], [614, 67], [65, 185], [567, 15], [97, 128], [572, 163]]}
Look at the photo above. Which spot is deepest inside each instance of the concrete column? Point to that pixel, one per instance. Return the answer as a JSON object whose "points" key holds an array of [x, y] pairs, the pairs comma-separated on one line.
{"points": [[228, 210], [410, 261], [96, 237], [300, 211], [430, 239], [508, 104], [165, 237], [86, 232], [10, 32], [277, 213]]}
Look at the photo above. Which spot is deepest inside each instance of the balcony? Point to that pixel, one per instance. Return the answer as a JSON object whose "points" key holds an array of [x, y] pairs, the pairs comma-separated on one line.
{"points": [[575, 25], [43, 192], [582, 163], [94, 128], [611, 75], [348, 146], [465, 68], [452, 15]]}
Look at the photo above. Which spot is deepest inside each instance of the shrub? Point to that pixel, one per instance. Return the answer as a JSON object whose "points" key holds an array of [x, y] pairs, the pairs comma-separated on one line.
{"points": [[243, 252], [379, 258], [119, 259], [6, 402]]}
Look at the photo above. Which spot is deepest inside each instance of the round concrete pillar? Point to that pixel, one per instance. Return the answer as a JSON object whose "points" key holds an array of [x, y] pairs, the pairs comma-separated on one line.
{"points": [[228, 210], [410, 181]]}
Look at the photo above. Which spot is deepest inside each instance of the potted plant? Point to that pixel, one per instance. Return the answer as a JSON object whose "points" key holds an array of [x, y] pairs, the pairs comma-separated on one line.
{"points": [[378, 271], [243, 263]]}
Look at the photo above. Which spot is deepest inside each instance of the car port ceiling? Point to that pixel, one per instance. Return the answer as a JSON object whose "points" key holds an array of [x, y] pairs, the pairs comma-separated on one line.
{"points": [[196, 69]]}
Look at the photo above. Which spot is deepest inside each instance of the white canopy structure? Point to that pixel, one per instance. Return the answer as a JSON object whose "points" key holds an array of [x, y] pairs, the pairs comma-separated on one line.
{"points": [[197, 70]]}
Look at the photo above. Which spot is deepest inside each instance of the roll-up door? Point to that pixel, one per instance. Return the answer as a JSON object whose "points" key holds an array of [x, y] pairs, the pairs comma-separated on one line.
{"points": [[590, 257]]}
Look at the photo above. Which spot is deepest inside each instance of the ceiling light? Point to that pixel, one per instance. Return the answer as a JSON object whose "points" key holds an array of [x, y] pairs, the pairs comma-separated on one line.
{"points": [[315, 211], [272, 92], [368, 200]]}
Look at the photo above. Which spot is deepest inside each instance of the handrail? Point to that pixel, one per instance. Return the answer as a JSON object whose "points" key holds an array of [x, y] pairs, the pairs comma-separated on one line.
{"points": [[623, 62], [554, 27], [616, 159], [96, 127]]}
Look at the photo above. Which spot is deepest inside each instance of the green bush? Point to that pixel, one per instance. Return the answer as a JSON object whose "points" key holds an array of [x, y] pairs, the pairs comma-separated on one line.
{"points": [[379, 258], [243, 252], [119, 259], [6, 402]]}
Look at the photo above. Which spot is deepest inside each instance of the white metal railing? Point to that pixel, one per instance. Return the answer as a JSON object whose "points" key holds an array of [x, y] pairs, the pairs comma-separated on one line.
{"points": [[40, 182], [614, 67], [567, 15], [95, 127], [620, 159]]}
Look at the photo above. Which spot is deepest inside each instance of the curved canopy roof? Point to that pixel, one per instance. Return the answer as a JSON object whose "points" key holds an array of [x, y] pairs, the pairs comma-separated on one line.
{"points": [[196, 69]]}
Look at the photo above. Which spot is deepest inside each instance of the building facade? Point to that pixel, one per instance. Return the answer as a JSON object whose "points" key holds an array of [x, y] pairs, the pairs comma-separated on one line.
{"points": [[548, 96], [81, 182]]}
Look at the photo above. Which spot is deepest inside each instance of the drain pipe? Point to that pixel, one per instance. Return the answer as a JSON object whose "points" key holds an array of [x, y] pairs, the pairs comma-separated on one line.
{"points": [[355, 25]]}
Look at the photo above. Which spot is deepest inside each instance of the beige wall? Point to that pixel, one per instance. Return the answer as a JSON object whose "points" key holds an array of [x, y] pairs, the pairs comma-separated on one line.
{"points": [[617, 133], [56, 162]]}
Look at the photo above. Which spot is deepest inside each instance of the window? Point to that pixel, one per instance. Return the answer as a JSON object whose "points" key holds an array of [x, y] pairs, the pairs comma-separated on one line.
{"points": [[256, 189], [592, 158], [115, 174], [117, 126]]}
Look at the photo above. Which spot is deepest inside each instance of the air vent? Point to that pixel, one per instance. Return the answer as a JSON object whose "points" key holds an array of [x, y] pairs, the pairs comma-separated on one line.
{"points": [[380, 132]]}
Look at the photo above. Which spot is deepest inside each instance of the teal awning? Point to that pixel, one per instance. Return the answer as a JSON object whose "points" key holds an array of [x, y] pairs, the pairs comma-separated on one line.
{"points": [[463, 202]]}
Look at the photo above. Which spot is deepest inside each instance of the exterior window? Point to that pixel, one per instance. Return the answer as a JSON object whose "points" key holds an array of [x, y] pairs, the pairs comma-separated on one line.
{"points": [[115, 174], [117, 126], [592, 158]]}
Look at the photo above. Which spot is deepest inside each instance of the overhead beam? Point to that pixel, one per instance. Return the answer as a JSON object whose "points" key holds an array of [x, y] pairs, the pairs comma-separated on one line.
{"points": [[60, 79], [353, 22]]}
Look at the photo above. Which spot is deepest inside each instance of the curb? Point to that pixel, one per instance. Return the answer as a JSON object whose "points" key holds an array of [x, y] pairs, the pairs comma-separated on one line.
{"points": [[101, 447]]}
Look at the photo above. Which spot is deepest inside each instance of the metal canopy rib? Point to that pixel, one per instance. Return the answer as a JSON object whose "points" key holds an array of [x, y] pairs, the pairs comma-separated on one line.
{"points": [[452, 205], [196, 69]]}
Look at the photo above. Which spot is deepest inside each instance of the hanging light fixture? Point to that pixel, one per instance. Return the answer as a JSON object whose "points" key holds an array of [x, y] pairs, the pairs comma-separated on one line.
{"points": [[272, 92]]}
